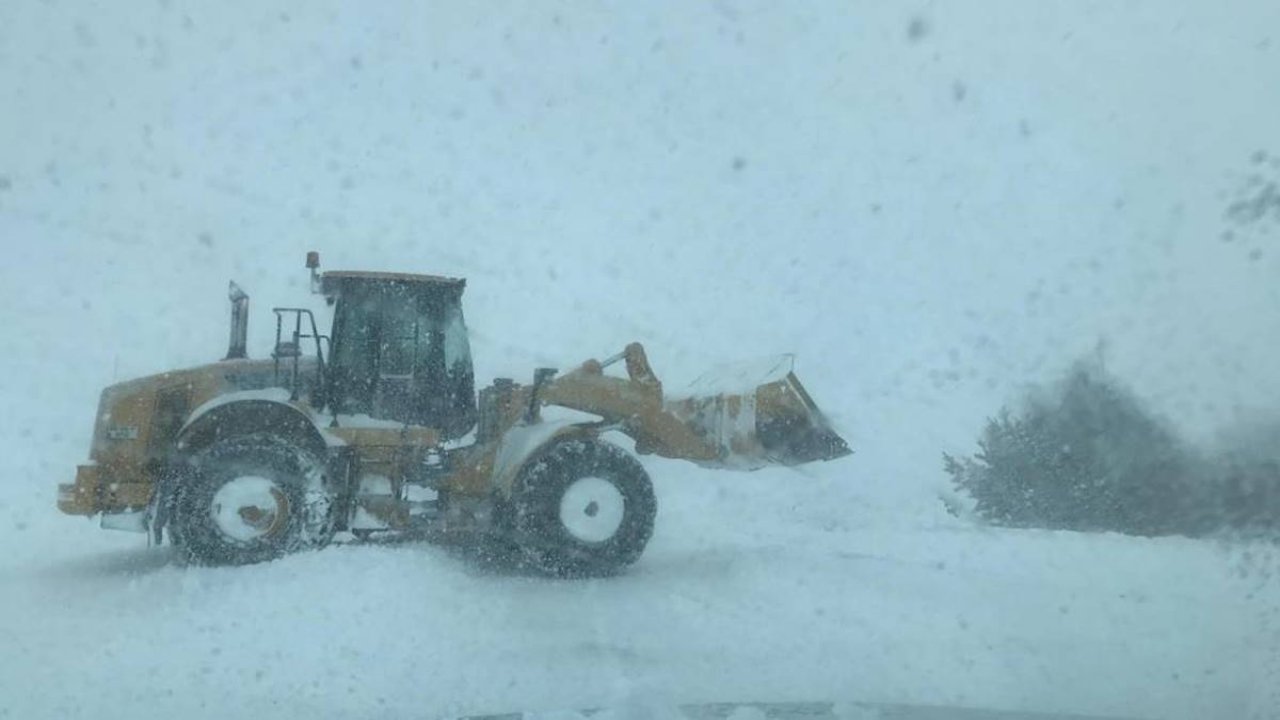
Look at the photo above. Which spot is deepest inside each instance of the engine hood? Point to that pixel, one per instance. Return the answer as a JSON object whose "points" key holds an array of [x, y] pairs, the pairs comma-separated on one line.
{"points": [[137, 419]]}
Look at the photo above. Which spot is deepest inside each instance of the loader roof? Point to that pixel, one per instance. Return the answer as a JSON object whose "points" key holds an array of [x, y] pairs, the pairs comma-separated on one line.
{"points": [[395, 277], [342, 282]]}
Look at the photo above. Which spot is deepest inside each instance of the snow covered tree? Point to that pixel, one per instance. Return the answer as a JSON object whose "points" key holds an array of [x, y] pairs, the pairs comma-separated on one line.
{"points": [[1247, 476], [1087, 456]]}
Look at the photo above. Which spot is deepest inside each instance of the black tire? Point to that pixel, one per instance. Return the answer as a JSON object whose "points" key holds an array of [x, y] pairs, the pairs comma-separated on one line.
{"points": [[545, 518], [299, 515]]}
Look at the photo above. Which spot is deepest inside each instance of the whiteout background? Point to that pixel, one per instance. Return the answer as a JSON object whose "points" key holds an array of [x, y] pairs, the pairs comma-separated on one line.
{"points": [[932, 204]]}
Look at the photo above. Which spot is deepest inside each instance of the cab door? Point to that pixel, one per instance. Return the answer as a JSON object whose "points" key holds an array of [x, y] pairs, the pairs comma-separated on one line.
{"points": [[400, 354]]}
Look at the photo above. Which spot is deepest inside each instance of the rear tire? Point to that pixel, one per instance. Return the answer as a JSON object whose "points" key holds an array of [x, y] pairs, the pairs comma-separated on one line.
{"points": [[582, 508], [250, 500]]}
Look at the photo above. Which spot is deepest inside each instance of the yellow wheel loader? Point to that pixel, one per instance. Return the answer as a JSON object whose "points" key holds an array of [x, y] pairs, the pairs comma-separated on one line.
{"points": [[376, 430]]}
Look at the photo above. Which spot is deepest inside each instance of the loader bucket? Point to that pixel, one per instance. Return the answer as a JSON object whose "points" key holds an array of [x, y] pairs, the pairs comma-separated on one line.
{"points": [[757, 415]]}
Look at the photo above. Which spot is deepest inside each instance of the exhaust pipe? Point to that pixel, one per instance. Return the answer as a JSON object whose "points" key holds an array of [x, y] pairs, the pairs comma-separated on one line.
{"points": [[239, 323]]}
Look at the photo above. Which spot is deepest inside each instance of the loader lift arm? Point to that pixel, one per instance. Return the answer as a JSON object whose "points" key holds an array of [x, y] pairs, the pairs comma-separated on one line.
{"points": [[774, 422]]}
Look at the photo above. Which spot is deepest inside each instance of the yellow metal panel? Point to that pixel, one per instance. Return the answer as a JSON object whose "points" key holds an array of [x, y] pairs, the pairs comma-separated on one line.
{"points": [[79, 498], [117, 497], [386, 437], [96, 490]]}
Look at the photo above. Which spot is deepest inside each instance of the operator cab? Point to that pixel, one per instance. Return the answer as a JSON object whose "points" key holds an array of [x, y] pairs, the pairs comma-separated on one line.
{"points": [[400, 350]]}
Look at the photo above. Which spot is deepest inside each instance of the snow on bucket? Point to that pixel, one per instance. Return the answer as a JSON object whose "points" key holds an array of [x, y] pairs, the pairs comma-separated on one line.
{"points": [[758, 414]]}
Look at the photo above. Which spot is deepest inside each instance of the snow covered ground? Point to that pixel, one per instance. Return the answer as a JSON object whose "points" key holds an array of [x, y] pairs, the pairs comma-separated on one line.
{"points": [[931, 205], [754, 589]]}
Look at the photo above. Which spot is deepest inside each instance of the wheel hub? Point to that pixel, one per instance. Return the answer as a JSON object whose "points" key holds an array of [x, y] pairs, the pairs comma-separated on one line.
{"points": [[249, 508], [592, 509]]}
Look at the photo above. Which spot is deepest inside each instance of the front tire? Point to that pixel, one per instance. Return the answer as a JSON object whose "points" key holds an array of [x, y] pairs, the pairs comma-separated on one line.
{"points": [[583, 508], [250, 500]]}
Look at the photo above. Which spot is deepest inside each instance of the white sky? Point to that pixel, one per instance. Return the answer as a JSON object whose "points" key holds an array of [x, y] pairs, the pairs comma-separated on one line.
{"points": [[929, 223]]}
